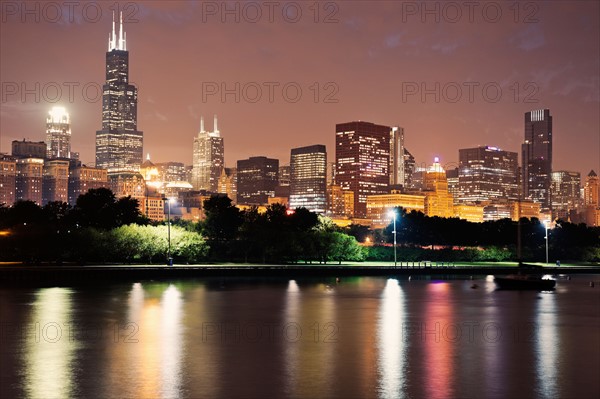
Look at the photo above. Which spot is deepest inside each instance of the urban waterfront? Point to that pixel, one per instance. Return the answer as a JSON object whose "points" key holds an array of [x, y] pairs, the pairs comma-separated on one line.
{"points": [[363, 337]]}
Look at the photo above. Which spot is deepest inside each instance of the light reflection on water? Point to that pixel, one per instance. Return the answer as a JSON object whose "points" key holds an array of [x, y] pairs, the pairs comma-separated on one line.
{"points": [[360, 337]]}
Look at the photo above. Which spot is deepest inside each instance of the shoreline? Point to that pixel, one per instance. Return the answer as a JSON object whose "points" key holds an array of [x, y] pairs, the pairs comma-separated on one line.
{"points": [[17, 274]]}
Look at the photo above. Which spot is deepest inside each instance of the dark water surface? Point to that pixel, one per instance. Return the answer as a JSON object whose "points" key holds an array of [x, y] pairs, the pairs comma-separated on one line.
{"points": [[359, 338]]}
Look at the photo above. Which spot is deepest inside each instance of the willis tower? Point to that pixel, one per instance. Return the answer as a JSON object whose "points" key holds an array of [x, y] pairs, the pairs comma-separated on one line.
{"points": [[119, 145]]}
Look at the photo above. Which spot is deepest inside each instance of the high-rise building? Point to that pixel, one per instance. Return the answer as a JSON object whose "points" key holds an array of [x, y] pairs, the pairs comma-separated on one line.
{"points": [[438, 201], [487, 174], [171, 171], [591, 200], [409, 167], [209, 158], [83, 178], [397, 157], [362, 155], [537, 157], [566, 188], [119, 145], [257, 178], [308, 180], [340, 203], [8, 176], [55, 181], [58, 134], [28, 184], [29, 149]]}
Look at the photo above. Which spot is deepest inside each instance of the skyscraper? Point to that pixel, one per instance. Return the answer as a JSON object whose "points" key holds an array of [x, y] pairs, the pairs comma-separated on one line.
{"points": [[566, 193], [257, 178], [397, 157], [487, 174], [58, 134], [119, 145], [209, 154], [55, 181], [308, 178], [362, 155], [537, 157], [8, 176]]}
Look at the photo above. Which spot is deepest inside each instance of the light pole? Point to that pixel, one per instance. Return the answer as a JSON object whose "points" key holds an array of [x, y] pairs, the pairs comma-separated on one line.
{"points": [[546, 227], [169, 259], [392, 214]]}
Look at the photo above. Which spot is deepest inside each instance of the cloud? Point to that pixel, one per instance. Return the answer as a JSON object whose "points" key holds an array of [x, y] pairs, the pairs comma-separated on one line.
{"points": [[530, 38]]}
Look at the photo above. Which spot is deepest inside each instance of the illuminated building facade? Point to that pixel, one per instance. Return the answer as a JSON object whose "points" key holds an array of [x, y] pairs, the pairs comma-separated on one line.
{"points": [[438, 201], [28, 183], [362, 156], [119, 145], [257, 178], [209, 158], [524, 209], [8, 176], [171, 171], [83, 178], [566, 197], [308, 179], [397, 156], [409, 168], [58, 134], [340, 203], [537, 157], [591, 200], [487, 174], [379, 206], [29, 149], [227, 184], [55, 182], [452, 179], [470, 213]]}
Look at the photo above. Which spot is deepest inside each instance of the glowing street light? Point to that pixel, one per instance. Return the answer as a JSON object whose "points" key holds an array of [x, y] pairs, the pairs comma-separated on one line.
{"points": [[392, 214]]}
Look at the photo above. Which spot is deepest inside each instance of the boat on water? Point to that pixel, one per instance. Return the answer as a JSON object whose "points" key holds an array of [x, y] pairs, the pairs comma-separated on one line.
{"points": [[528, 277]]}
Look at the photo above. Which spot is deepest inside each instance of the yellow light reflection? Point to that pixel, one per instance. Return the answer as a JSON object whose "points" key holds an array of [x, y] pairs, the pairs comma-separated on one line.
{"points": [[49, 348], [547, 346], [392, 351]]}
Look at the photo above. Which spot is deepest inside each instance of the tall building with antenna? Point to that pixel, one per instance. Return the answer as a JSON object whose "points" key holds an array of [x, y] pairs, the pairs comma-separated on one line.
{"points": [[119, 145], [208, 158]]}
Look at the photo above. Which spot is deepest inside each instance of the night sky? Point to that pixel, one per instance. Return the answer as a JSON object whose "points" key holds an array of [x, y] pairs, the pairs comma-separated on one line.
{"points": [[365, 58]]}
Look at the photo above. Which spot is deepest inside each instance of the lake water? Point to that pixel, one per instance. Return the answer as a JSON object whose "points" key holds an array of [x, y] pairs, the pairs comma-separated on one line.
{"points": [[356, 338]]}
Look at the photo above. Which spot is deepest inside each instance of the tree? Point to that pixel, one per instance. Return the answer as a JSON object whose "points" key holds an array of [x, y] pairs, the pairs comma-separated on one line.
{"points": [[223, 219]]}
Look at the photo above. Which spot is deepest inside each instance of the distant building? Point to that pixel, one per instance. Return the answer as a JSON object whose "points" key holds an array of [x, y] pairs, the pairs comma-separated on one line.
{"points": [[537, 157], [362, 153], [308, 183], [28, 184], [55, 182], [257, 178], [566, 198], [227, 183], [58, 134], [591, 200], [8, 177], [209, 158], [409, 168], [285, 173], [470, 213], [340, 203], [171, 171], [83, 178], [380, 205], [397, 154], [525, 209], [452, 178], [487, 174], [119, 145], [29, 149], [438, 201]]}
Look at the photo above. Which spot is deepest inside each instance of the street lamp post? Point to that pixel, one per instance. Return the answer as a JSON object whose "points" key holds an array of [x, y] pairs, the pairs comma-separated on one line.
{"points": [[546, 227], [169, 259], [393, 215]]}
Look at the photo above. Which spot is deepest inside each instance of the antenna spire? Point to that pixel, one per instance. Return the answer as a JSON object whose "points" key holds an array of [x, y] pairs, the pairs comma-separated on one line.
{"points": [[201, 124], [216, 130]]}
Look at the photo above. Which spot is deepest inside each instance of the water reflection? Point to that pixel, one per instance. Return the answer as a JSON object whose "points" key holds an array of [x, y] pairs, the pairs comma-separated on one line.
{"points": [[391, 345], [49, 347], [438, 332], [547, 342], [147, 354]]}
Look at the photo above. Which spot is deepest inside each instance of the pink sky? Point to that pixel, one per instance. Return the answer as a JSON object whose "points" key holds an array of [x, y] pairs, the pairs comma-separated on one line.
{"points": [[371, 52]]}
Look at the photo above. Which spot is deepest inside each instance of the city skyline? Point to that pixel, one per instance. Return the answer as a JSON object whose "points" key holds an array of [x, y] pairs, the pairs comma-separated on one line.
{"points": [[256, 129]]}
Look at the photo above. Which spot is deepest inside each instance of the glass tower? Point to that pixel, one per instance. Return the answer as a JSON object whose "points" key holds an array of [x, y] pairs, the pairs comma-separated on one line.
{"points": [[308, 178], [119, 145]]}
